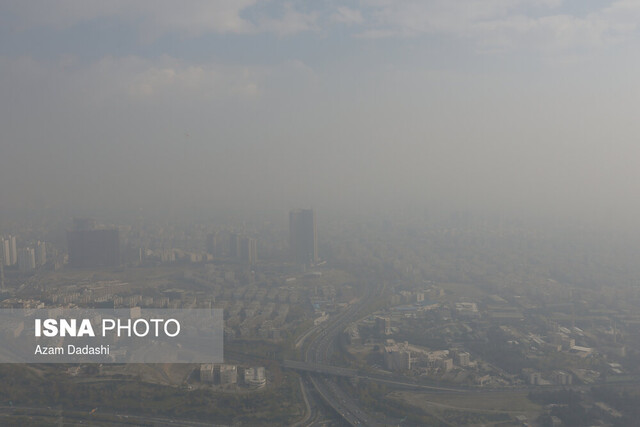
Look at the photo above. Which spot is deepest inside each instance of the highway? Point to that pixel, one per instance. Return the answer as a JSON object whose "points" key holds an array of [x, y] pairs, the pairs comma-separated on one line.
{"points": [[307, 404], [318, 354]]}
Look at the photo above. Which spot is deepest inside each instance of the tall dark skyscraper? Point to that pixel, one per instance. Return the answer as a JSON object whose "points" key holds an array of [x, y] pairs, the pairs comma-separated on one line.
{"points": [[90, 247], [303, 236]]}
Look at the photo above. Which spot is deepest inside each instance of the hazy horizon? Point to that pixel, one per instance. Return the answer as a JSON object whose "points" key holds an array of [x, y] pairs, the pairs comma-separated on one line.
{"points": [[499, 106]]}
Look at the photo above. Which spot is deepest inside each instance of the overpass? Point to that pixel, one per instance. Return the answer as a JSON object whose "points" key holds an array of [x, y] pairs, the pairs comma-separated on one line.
{"points": [[318, 368]]}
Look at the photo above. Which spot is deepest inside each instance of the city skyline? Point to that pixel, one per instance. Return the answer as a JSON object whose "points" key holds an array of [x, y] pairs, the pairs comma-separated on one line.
{"points": [[351, 212]]}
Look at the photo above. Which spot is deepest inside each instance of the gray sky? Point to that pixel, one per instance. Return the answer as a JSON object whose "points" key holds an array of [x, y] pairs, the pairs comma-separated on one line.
{"points": [[521, 105]]}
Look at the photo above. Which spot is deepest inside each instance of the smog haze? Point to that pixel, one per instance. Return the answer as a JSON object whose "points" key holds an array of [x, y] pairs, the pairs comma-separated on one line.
{"points": [[503, 106]]}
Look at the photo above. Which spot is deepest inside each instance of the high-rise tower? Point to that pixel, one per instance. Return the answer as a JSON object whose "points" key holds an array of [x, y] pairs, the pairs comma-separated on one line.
{"points": [[26, 260], [1, 270], [91, 247], [234, 245], [9, 250], [303, 236], [14, 250], [6, 252], [248, 250], [211, 244], [41, 254]]}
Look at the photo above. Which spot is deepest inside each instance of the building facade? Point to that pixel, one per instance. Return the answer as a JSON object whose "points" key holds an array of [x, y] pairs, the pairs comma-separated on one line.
{"points": [[248, 250], [93, 248], [26, 260], [303, 236]]}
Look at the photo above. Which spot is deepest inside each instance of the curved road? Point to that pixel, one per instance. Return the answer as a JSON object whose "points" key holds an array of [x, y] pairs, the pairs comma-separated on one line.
{"points": [[319, 351]]}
